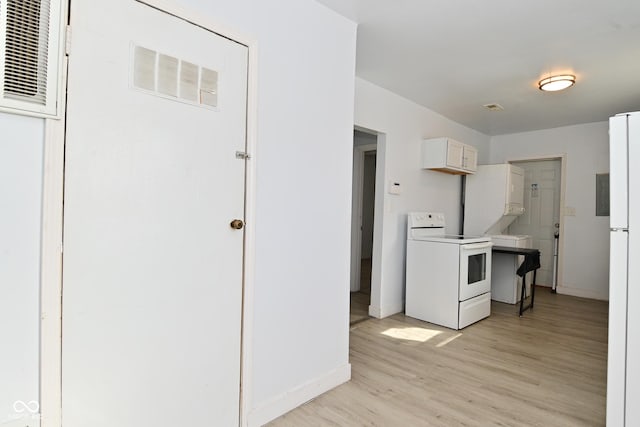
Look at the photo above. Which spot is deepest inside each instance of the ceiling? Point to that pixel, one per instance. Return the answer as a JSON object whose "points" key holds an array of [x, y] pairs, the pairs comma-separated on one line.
{"points": [[454, 56]]}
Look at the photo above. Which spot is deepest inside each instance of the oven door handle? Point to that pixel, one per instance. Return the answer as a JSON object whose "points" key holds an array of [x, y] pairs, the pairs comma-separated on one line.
{"points": [[476, 246]]}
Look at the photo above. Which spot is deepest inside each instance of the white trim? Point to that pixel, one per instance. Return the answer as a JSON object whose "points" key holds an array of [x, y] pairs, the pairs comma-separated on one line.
{"points": [[287, 401], [51, 276], [563, 187], [206, 22], [378, 226], [375, 312], [356, 218], [561, 237], [51, 263], [246, 384], [382, 311], [582, 293]]}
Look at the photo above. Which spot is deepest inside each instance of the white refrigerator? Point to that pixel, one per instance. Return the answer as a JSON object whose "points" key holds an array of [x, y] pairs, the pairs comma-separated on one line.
{"points": [[623, 376]]}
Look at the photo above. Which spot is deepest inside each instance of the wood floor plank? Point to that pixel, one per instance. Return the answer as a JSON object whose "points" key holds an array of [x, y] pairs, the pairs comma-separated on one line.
{"points": [[547, 368]]}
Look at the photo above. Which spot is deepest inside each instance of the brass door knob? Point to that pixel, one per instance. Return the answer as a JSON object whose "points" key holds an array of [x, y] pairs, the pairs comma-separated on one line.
{"points": [[237, 224]]}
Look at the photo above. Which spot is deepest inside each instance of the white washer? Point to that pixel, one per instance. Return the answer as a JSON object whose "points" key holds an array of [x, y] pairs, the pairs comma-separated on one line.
{"points": [[448, 276], [506, 285]]}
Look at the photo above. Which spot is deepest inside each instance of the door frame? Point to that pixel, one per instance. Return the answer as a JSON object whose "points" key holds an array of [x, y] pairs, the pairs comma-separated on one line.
{"points": [[561, 215], [52, 231], [375, 301]]}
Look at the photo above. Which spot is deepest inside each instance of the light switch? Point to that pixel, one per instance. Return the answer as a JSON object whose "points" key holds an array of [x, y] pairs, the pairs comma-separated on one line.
{"points": [[394, 187], [570, 211]]}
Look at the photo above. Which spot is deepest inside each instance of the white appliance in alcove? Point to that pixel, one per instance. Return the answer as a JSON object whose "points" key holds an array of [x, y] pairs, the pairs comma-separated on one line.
{"points": [[494, 198], [506, 285]]}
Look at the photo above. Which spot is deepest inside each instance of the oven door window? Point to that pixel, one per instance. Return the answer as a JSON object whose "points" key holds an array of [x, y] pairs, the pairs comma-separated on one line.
{"points": [[477, 268]]}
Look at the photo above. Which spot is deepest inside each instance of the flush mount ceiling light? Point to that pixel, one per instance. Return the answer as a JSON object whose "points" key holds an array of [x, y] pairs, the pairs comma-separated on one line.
{"points": [[555, 83]]}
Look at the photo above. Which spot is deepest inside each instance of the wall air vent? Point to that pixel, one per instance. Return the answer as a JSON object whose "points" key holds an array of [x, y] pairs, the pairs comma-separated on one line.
{"points": [[174, 78], [30, 56]]}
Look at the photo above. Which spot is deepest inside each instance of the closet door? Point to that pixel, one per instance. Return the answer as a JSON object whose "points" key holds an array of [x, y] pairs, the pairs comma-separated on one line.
{"points": [[152, 303]]}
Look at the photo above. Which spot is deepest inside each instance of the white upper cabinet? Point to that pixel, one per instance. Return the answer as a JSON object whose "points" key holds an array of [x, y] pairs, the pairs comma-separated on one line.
{"points": [[470, 159], [455, 153], [448, 155]]}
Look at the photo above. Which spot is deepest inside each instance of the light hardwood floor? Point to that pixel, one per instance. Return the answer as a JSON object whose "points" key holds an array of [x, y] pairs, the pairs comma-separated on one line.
{"points": [[360, 300], [359, 307], [547, 368]]}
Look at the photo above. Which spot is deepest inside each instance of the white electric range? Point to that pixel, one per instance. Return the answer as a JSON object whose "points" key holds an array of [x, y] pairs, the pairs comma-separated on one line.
{"points": [[448, 277]]}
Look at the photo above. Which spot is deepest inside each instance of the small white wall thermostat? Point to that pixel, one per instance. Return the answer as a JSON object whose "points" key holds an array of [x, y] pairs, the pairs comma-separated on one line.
{"points": [[394, 187]]}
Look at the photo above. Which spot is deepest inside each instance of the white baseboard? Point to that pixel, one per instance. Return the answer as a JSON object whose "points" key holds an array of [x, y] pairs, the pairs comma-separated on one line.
{"points": [[375, 312], [582, 293], [285, 402], [386, 311]]}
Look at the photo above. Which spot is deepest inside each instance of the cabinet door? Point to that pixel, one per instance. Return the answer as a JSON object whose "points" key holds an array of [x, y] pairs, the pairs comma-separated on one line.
{"points": [[515, 189], [470, 158], [455, 152]]}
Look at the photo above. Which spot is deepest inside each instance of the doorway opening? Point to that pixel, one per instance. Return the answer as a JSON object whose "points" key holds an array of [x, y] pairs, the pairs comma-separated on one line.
{"points": [[542, 218], [362, 222]]}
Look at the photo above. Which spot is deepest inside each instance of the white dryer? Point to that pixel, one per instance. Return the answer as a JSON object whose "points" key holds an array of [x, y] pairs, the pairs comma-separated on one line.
{"points": [[506, 285]]}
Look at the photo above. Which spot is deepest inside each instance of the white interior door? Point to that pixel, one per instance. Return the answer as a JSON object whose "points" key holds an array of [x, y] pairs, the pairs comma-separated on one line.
{"points": [[152, 280], [542, 211]]}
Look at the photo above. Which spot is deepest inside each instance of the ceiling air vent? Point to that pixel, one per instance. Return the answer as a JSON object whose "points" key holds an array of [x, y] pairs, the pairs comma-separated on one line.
{"points": [[30, 56], [493, 107]]}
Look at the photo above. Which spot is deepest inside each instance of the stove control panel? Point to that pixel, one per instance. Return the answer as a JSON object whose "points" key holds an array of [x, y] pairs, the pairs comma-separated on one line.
{"points": [[425, 220]]}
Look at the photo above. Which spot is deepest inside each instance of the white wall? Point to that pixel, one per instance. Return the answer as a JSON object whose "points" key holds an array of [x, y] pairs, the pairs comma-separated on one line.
{"points": [[586, 236], [404, 125], [306, 69], [21, 157]]}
